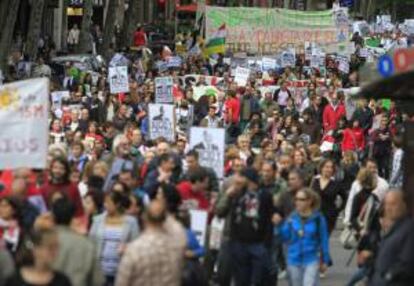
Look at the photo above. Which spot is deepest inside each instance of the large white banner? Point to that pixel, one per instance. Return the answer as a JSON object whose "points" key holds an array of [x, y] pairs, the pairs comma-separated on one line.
{"points": [[118, 79], [24, 124], [209, 143], [161, 121]]}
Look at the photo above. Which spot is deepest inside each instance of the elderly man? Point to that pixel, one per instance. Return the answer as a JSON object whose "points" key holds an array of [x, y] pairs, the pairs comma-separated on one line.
{"points": [[156, 257], [395, 258]]}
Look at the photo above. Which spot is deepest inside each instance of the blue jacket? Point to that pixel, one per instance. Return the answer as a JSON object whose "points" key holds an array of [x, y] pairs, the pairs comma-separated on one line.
{"points": [[194, 245], [305, 241]]}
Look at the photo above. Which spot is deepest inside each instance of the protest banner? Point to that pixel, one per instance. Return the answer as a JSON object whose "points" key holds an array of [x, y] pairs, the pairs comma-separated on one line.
{"points": [[184, 118], [363, 53], [118, 79], [315, 61], [209, 143], [193, 79], [209, 90], [343, 64], [199, 224], [241, 76], [24, 107], [57, 97], [289, 58], [309, 50], [161, 121], [174, 62], [268, 64], [164, 90], [269, 31]]}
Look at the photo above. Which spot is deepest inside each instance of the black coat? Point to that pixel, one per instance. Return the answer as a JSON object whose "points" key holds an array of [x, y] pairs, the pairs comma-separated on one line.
{"points": [[328, 200], [394, 263]]}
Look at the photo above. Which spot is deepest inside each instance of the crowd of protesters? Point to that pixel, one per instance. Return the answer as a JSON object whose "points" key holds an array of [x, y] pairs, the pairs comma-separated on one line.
{"points": [[112, 208]]}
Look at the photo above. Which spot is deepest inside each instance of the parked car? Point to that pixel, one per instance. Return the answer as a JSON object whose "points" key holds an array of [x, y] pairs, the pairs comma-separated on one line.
{"points": [[85, 62]]}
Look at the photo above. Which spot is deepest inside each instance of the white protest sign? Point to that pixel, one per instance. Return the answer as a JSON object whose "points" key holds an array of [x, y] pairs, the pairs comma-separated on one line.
{"points": [[174, 62], [164, 90], [227, 61], [350, 102], [24, 124], [315, 60], [364, 53], [118, 79], [268, 64], [268, 88], [343, 64], [161, 121], [241, 76], [199, 225], [209, 143], [308, 51], [58, 96], [289, 58]]}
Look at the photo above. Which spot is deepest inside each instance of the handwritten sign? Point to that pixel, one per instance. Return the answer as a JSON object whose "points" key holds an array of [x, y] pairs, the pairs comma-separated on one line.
{"points": [[118, 79], [241, 76], [164, 90], [209, 142], [24, 124], [269, 31], [161, 121]]}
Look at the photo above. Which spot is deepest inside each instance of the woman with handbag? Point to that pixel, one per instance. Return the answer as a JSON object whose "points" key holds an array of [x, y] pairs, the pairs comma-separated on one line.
{"points": [[365, 224]]}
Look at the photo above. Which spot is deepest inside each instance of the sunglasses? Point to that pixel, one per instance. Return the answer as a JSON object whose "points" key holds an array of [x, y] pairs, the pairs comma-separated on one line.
{"points": [[301, 199]]}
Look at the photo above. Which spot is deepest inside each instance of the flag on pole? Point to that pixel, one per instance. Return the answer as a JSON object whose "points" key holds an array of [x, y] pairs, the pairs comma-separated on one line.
{"points": [[217, 43]]}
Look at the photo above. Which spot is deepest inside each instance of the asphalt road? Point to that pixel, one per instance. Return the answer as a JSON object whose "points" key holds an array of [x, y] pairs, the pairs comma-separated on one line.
{"points": [[339, 273]]}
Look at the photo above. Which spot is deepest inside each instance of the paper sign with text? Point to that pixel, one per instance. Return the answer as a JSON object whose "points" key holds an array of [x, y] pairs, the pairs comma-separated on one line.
{"points": [[24, 109]]}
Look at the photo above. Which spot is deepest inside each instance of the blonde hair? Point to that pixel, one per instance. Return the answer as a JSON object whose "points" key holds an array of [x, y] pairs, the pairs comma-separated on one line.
{"points": [[313, 197], [367, 179]]}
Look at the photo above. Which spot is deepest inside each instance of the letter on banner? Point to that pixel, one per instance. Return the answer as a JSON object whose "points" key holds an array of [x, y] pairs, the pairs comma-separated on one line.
{"points": [[24, 124]]}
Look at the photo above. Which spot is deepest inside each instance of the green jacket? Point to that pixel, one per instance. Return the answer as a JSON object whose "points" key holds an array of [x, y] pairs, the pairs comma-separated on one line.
{"points": [[77, 259]]}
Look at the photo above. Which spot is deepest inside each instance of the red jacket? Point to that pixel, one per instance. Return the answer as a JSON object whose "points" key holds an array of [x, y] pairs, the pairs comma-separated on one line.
{"points": [[140, 39], [69, 191], [353, 139], [332, 115], [191, 199]]}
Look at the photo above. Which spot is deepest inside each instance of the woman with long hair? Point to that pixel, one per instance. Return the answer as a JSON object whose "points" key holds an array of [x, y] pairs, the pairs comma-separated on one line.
{"points": [[59, 184], [111, 231], [329, 190], [35, 262], [11, 228], [305, 232]]}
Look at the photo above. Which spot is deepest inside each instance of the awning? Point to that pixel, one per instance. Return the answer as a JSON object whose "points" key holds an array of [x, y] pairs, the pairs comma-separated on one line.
{"points": [[187, 8]]}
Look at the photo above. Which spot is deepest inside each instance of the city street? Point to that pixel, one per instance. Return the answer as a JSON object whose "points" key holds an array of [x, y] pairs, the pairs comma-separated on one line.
{"points": [[339, 273]]}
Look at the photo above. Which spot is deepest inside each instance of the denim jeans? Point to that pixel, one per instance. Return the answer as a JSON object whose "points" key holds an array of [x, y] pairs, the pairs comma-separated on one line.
{"points": [[224, 264], [248, 263], [304, 275], [358, 276]]}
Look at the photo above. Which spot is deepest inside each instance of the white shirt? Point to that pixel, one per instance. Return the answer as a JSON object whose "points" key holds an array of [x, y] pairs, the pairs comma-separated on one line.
{"points": [[380, 191], [282, 97], [73, 37]]}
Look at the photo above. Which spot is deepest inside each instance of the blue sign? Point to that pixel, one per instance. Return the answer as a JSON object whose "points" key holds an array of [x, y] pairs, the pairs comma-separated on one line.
{"points": [[174, 62], [346, 3], [385, 66]]}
